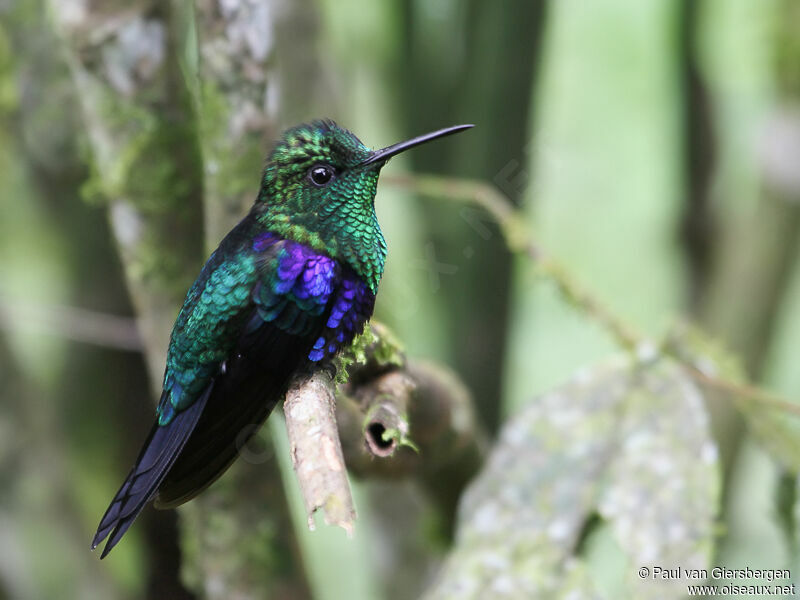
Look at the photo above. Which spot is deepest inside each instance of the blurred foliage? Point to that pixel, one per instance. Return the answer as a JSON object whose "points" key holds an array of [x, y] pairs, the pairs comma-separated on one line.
{"points": [[612, 128], [629, 445]]}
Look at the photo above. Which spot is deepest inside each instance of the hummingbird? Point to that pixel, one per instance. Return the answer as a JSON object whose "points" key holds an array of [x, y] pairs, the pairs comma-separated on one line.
{"points": [[288, 288]]}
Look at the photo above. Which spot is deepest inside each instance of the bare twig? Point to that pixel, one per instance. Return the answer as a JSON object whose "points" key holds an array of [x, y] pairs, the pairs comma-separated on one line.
{"points": [[317, 451]]}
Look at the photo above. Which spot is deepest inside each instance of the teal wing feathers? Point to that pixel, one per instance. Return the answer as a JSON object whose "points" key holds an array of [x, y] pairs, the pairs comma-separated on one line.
{"points": [[248, 324]]}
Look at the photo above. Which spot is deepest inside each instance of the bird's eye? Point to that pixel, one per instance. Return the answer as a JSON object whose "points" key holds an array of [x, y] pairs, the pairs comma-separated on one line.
{"points": [[321, 175]]}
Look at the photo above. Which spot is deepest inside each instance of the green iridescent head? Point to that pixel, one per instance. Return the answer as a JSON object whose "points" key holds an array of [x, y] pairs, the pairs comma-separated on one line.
{"points": [[319, 188]]}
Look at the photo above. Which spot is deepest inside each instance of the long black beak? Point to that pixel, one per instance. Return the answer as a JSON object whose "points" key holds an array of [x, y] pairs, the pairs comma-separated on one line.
{"points": [[381, 156]]}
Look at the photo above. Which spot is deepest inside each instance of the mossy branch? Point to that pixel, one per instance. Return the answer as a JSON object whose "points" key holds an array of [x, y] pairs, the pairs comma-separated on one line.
{"points": [[520, 240], [396, 418], [144, 159]]}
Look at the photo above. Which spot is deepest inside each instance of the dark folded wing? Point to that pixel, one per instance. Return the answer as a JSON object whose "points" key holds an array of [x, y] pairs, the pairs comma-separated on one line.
{"points": [[161, 449], [255, 380]]}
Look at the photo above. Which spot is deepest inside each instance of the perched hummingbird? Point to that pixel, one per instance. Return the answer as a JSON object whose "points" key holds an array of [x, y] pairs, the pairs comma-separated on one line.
{"points": [[292, 284]]}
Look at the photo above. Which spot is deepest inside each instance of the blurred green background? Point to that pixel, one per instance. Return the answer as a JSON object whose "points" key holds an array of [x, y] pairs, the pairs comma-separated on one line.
{"points": [[653, 148]]}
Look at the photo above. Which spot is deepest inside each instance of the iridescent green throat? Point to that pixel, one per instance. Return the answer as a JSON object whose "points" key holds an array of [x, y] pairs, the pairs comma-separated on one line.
{"points": [[334, 214], [357, 242]]}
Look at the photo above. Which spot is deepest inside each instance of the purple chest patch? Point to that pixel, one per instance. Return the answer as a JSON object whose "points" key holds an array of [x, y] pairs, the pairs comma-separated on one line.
{"points": [[305, 285], [317, 278], [305, 273], [352, 307]]}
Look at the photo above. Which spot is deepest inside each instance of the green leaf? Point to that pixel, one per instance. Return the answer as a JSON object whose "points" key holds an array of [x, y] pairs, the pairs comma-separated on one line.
{"points": [[631, 445]]}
